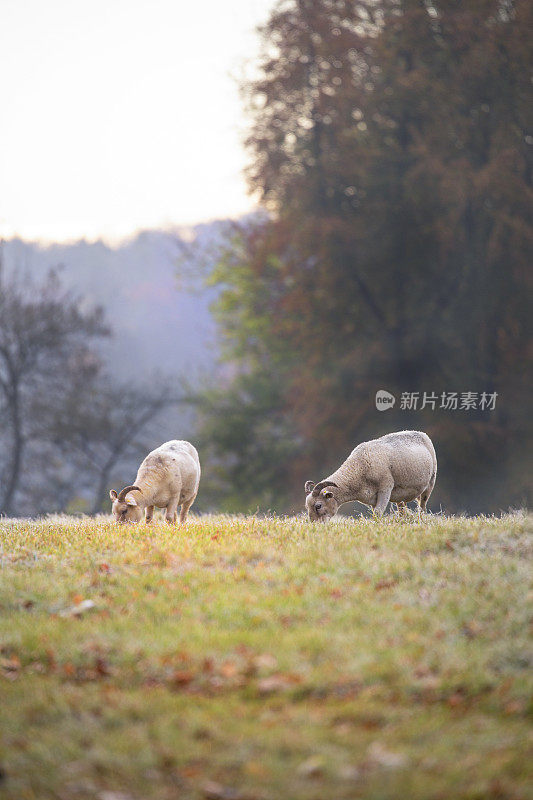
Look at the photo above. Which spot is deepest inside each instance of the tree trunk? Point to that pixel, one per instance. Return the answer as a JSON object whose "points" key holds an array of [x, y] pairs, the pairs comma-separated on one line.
{"points": [[6, 505], [103, 484]]}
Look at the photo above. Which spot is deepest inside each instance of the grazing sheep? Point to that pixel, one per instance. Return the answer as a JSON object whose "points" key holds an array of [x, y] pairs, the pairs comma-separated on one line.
{"points": [[167, 478], [398, 467]]}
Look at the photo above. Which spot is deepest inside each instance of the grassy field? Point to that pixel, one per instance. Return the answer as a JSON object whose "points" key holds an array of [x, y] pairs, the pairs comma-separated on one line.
{"points": [[249, 658]]}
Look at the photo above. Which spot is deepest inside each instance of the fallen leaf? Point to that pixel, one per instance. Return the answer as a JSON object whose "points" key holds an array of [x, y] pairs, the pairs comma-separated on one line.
{"points": [[277, 683], [182, 677], [379, 754], [386, 583], [256, 768], [102, 668], [51, 659], [228, 669], [109, 795], [471, 629], [264, 661], [455, 699], [349, 773], [216, 791], [312, 767], [79, 609], [514, 707], [10, 664]]}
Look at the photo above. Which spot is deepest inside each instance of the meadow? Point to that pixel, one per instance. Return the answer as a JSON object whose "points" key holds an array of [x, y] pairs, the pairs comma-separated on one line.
{"points": [[249, 658]]}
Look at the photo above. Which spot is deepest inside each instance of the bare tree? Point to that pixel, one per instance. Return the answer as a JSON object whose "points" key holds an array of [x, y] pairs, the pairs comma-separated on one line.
{"points": [[105, 424], [45, 338]]}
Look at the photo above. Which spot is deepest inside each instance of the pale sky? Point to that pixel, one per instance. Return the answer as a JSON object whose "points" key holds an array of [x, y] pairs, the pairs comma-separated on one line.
{"points": [[122, 114]]}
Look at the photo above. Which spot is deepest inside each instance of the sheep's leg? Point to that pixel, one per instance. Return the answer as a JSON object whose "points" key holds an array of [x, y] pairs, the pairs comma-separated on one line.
{"points": [[422, 501], [424, 497], [148, 514], [185, 510], [382, 500], [171, 513]]}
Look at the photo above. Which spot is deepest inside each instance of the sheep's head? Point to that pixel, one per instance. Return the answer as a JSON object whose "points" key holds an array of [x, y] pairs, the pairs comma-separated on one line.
{"points": [[320, 501], [125, 510]]}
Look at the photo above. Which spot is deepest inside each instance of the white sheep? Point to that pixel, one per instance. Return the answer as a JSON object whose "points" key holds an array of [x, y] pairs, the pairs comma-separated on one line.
{"points": [[167, 478], [399, 467]]}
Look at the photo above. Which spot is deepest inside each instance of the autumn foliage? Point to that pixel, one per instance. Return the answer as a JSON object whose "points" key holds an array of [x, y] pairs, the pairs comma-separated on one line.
{"points": [[389, 145]]}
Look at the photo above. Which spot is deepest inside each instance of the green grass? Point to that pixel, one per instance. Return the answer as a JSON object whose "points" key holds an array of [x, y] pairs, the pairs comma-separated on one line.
{"points": [[241, 657]]}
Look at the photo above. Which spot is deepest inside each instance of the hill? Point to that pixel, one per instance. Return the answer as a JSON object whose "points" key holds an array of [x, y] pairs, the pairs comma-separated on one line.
{"points": [[151, 287]]}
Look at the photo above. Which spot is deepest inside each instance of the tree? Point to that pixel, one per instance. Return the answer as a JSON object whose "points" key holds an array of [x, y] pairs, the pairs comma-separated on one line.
{"points": [[103, 426], [45, 339], [389, 141]]}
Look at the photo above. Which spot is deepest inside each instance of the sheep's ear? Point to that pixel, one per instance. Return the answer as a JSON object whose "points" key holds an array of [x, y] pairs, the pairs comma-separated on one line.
{"points": [[309, 485], [131, 502], [113, 495], [327, 495]]}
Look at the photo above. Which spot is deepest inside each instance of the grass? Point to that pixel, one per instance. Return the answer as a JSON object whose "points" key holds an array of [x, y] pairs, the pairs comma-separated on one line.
{"points": [[251, 658]]}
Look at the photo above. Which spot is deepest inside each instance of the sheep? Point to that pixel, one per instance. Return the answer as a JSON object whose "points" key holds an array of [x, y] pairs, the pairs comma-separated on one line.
{"points": [[399, 467], [167, 478]]}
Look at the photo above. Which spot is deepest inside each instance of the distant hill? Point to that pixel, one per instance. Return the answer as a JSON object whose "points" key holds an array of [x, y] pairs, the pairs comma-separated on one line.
{"points": [[152, 289]]}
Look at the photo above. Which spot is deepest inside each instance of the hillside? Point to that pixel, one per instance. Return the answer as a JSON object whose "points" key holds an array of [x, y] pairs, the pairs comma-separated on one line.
{"points": [[151, 288]]}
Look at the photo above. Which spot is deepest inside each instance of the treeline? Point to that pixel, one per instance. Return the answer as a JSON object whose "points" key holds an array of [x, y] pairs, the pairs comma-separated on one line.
{"points": [[391, 145], [67, 426]]}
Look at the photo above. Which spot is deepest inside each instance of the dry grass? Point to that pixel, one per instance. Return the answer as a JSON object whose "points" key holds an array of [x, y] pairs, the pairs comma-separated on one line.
{"points": [[242, 657]]}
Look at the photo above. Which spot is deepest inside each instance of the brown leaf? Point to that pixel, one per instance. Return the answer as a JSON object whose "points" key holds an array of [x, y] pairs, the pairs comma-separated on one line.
{"points": [[208, 664], [182, 677], [10, 664], [379, 754], [264, 661], [277, 683], [349, 773], [471, 629], [51, 659], [79, 608], [385, 583], [216, 791], [228, 669], [312, 767], [514, 707], [102, 668], [455, 699]]}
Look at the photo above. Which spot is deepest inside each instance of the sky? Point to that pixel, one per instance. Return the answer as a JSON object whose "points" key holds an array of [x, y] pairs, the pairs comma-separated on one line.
{"points": [[120, 115]]}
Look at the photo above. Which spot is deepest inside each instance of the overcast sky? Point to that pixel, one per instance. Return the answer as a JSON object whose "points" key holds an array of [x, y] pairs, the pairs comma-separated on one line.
{"points": [[121, 114]]}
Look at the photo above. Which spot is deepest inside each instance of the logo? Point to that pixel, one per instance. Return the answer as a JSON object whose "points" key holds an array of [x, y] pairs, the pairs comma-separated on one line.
{"points": [[384, 400]]}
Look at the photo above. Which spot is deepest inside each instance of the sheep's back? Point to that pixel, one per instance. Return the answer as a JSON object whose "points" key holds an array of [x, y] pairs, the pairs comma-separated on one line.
{"points": [[173, 468], [412, 458]]}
